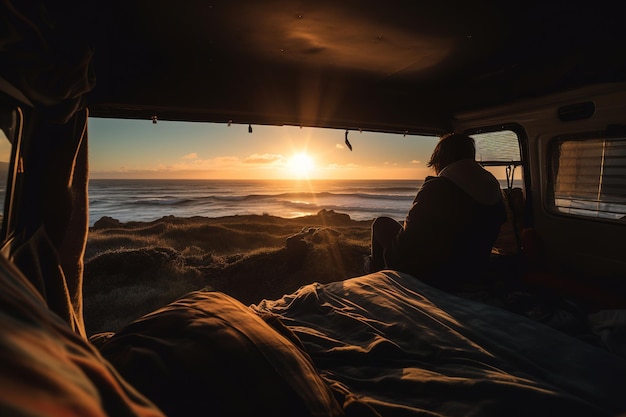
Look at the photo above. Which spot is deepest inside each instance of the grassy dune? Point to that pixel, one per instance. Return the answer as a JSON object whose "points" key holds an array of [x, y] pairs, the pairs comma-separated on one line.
{"points": [[133, 268]]}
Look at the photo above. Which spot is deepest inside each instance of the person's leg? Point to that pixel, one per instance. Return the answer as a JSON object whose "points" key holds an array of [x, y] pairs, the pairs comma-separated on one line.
{"points": [[384, 229]]}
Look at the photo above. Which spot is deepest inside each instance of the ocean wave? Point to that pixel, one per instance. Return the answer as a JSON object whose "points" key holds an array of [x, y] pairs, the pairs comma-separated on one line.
{"points": [[150, 200], [384, 190], [160, 201], [344, 208], [308, 196]]}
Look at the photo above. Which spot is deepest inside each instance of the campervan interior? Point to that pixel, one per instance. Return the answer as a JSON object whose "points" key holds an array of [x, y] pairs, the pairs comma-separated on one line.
{"points": [[540, 87]]}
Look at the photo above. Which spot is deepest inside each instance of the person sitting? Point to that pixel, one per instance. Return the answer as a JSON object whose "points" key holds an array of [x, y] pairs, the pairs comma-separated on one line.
{"points": [[452, 225]]}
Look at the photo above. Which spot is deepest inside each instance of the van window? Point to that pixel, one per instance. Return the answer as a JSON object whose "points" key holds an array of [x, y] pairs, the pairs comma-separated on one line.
{"points": [[499, 152], [589, 177]]}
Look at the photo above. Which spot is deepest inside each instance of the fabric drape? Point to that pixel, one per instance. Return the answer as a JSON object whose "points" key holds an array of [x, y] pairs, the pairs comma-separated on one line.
{"points": [[51, 226]]}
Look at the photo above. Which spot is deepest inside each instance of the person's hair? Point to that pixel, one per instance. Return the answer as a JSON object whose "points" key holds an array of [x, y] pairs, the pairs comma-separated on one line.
{"points": [[451, 148]]}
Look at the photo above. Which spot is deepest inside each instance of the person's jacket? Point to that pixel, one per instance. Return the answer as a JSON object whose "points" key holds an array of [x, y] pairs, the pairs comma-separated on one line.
{"points": [[451, 227]]}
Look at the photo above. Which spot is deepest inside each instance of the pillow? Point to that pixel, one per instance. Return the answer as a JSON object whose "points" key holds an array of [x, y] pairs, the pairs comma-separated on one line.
{"points": [[208, 352]]}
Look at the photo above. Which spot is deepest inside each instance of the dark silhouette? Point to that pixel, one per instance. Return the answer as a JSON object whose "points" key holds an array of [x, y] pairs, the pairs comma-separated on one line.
{"points": [[452, 225]]}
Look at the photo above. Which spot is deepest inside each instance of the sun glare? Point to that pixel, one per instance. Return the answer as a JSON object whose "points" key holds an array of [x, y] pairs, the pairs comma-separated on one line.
{"points": [[301, 165]]}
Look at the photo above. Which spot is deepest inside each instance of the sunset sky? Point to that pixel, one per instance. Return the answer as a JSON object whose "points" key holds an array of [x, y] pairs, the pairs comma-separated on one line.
{"points": [[141, 149]]}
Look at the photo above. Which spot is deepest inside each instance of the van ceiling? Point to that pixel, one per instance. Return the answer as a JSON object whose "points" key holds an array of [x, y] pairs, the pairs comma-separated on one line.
{"points": [[389, 65]]}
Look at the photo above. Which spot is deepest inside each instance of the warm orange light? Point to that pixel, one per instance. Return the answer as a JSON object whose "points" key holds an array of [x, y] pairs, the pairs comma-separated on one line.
{"points": [[301, 165]]}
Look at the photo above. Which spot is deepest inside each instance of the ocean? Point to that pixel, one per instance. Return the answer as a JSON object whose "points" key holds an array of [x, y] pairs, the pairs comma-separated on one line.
{"points": [[147, 200]]}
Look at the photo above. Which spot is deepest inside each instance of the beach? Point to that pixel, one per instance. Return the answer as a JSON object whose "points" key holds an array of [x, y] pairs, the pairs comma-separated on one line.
{"points": [[151, 241], [135, 267]]}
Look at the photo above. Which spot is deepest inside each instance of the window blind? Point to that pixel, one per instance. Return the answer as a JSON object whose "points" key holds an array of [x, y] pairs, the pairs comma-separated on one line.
{"points": [[590, 177]]}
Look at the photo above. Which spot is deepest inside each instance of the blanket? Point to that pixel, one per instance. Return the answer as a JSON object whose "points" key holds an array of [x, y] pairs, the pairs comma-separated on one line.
{"points": [[394, 346]]}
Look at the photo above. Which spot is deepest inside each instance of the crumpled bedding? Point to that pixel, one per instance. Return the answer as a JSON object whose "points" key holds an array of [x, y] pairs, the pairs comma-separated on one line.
{"points": [[610, 326], [383, 344], [391, 345], [209, 354]]}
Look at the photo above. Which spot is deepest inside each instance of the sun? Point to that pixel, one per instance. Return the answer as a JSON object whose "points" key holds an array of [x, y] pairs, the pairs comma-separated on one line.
{"points": [[301, 165]]}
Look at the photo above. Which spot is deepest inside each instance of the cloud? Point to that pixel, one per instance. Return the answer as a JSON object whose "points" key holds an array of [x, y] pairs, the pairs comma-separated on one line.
{"points": [[341, 166], [192, 155], [217, 162], [189, 163], [266, 158], [339, 146], [415, 161], [224, 160]]}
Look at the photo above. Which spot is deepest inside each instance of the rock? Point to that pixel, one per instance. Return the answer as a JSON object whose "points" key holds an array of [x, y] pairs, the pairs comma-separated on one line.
{"points": [[106, 222], [331, 214]]}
